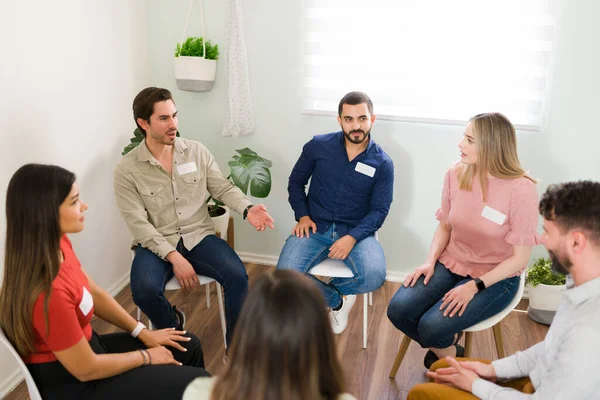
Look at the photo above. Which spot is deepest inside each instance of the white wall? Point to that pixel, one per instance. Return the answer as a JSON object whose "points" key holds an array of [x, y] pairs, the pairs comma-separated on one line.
{"points": [[70, 70], [567, 150]]}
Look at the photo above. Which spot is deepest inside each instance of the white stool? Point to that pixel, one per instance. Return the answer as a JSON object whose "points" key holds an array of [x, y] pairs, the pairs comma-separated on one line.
{"points": [[492, 322], [173, 284], [337, 269], [34, 393]]}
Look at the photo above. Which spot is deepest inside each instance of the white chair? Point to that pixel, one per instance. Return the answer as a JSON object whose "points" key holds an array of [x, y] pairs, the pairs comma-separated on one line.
{"points": [[492, 322], [337, 269], [34, 393], [173, 284]]}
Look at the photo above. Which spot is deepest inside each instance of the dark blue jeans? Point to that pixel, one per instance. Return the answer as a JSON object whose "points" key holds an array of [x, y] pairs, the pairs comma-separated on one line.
{"points": [[212, 257], [416, 310]]}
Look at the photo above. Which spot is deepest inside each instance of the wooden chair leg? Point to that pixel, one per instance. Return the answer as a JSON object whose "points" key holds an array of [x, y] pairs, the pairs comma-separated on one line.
{"points": [[207, 290], [468, 341], [401, 352], [498, 336]]}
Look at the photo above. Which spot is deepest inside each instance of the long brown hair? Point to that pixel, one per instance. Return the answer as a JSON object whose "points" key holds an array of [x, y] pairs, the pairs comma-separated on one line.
{"points": [[496, 140], [283, 347], [31, 259]]}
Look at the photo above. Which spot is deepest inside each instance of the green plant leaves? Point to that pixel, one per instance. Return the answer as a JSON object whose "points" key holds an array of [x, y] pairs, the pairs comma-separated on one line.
{"points": [[541, 273], [192, 47], [249, 170]]}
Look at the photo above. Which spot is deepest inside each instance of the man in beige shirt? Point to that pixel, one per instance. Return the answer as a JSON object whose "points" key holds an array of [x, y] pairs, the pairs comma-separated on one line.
{"points": [[161, 187]]}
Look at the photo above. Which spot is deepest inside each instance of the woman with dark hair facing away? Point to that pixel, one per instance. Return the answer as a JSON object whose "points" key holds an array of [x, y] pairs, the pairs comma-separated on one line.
{"points": [[282, 347], [47, 302]]}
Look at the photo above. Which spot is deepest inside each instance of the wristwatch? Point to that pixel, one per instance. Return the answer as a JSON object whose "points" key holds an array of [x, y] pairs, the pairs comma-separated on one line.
{"points": [[480, 284], [247, 209]]}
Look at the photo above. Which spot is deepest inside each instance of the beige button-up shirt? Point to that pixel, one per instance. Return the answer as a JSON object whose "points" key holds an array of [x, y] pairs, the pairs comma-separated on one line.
{"points": [[160, 208]]}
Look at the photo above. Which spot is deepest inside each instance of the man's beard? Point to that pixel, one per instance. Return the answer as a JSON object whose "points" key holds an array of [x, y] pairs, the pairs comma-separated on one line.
{"points": [[559, 266], [364, 137]]}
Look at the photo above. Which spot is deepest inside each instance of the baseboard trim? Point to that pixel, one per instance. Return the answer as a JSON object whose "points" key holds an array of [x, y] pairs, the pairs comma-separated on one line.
{"points": [[11, 383], [258, 258], [116, 288]]}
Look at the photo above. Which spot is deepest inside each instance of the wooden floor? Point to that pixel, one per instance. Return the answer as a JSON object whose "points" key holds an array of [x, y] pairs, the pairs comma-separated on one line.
{"points": [[367, 370]]}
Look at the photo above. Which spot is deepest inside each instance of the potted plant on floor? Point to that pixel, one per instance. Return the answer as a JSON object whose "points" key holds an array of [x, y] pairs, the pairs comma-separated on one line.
{"points": [[196, 64], [249, 172], [545, 291]]}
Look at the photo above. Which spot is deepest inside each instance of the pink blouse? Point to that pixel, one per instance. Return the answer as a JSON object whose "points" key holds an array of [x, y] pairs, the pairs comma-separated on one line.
{"points": [[483, 233]]}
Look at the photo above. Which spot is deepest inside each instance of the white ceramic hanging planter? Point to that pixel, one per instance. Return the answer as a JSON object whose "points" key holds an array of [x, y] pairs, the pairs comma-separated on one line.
{"points": [[195, 74]]}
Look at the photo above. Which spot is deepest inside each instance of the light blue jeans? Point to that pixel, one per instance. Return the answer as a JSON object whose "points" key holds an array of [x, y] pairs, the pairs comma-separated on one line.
{"points": [[366, 261]]}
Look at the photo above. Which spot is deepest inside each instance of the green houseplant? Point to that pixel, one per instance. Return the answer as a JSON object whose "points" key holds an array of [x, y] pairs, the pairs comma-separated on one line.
{"points": [[545, 290], [249, 172], [541, 273], [194, 47], [196, 64]]}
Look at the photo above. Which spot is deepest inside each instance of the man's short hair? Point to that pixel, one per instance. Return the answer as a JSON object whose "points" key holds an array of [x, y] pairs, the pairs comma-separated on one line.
{"points": [[143, 104], [354, 98], [574, 205]]}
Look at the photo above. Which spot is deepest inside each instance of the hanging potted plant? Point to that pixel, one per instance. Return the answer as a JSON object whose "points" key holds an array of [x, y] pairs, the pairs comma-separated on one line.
{"points": [[196, 64], [195, 59], [545, 291], [249, 172]]}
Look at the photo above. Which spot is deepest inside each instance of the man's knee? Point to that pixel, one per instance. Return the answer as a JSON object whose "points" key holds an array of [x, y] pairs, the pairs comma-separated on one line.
{"points": [[290, 256]]}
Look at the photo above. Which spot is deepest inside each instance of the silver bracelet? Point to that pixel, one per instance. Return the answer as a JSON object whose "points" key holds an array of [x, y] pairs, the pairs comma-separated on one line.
{"points": [[144, 353]]}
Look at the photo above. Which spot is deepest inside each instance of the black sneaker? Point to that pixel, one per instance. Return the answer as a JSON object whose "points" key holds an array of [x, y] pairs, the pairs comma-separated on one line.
{"points": [[431, 357], [180, 317]]}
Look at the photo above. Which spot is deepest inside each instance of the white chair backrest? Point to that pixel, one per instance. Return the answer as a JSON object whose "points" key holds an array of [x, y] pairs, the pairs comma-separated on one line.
{"points": [[31, 386]]}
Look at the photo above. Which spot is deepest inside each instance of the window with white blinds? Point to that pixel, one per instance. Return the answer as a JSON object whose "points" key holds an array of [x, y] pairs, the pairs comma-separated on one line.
{"points": [[431, 60]]}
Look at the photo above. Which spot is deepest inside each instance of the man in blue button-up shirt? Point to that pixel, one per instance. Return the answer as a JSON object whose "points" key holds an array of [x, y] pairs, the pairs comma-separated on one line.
{"points": [[349, 197]]}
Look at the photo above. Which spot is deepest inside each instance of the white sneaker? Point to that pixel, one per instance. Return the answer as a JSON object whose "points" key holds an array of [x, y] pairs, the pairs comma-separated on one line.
{"points": [[339, 318]]}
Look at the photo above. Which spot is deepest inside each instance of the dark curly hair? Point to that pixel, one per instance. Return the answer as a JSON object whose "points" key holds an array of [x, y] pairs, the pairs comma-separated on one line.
{"points": [[573, 205]]}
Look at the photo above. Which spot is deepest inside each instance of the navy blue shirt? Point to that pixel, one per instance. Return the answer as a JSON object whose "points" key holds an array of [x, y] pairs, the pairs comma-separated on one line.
{"points": [[339, 192]]}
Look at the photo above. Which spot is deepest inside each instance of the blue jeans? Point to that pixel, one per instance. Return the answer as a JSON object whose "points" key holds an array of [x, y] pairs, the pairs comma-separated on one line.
{"points": [[366, 261], [212, 257], [416, 310]]}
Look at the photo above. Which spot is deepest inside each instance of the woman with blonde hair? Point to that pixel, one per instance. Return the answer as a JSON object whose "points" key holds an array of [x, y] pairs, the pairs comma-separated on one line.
{"points": [[282, 348], [487, 228], [47, 302]]}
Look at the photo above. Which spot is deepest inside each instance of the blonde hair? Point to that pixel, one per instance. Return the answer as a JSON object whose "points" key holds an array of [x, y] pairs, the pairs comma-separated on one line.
{"points": [[496, 152]]}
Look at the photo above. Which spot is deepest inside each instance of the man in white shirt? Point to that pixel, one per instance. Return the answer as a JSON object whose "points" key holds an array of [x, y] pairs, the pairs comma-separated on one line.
{"points": [[566, 365]]}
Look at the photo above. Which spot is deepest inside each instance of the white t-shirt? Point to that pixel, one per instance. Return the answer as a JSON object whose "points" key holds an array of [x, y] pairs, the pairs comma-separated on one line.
{"points": [[201, 388]]}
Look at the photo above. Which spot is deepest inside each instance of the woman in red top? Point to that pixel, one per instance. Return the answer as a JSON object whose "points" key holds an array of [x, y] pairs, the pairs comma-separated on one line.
{"points": [[47, 302]]}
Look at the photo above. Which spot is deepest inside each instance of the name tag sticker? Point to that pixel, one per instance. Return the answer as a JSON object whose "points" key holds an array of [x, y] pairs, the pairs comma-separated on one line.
{"points": [[187, 168], [87, 302], [365, 169], [493, 215]]}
